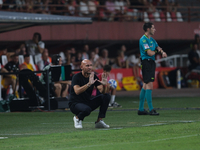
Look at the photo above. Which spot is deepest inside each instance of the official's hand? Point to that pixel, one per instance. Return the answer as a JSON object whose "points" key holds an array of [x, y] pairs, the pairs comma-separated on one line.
{"points": [[159, 49], [91, 79], [164, 55]]}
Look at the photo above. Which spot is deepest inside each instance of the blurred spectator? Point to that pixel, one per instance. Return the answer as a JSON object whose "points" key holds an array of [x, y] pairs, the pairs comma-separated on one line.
{"points": [[3, 51], [29, 6], [1, 3], [66, 56], [149, 6], [84, 10], [35, 47], [96, 51], [26, 64], [78, 60], [11, 66], [134, 62], [158, 4], [58, 9], [85, 52], [196, 39], [92, 7], [92, 59], [21, 50], [9, 5], [71, 7], [110, 9], [20, 4], [46, 60], [123, 48], [194, 58], [121, 7], [72, 62], [57, 88], [103, 59], [41, 6], [171, 5], [198, 49], [73, 51], [121, 61]]}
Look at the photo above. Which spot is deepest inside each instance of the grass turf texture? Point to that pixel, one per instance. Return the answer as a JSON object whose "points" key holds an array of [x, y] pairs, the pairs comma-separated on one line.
{"points": [[177, 127]]}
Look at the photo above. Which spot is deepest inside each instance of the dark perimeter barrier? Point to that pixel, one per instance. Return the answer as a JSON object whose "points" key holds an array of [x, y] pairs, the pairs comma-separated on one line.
{"points": [[33, 101]]}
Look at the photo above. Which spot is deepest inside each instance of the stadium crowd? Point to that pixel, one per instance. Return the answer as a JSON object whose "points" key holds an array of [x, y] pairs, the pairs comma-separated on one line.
{"points": [[107, 10], [33, 55]]}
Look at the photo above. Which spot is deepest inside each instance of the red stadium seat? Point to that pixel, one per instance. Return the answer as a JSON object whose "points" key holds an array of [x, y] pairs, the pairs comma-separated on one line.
{"points": [[162, 16], [173, 16], [151, 17]]}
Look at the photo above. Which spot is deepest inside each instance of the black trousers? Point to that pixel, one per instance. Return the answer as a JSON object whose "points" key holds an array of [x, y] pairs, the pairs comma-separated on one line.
{"points": [[81, 110]]}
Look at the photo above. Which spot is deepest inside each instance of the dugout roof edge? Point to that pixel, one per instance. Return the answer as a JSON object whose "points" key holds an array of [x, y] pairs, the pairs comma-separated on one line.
{"points": [[17, 20]]}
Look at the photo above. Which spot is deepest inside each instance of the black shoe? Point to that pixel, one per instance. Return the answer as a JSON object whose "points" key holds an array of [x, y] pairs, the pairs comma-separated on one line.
{"points": [[143, 112], [153, 112]]}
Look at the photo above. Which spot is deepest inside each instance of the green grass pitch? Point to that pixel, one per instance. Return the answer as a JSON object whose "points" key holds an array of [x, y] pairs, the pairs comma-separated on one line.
{"points": [[176, 128]]}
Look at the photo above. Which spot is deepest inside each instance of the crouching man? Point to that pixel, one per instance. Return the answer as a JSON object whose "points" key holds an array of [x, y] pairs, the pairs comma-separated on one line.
{"points": [[81, 104]]}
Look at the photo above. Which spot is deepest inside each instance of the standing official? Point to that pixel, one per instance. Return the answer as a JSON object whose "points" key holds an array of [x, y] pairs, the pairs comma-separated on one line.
{"points": [[148, 49]]}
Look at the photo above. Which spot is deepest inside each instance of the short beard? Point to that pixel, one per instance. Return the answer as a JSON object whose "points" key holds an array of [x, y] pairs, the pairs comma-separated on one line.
{"points": [[88, 74]]}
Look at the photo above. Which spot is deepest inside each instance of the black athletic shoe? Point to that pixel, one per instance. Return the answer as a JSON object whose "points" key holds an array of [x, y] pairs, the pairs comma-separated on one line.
{"points": [[153, 112], [143, 112]]}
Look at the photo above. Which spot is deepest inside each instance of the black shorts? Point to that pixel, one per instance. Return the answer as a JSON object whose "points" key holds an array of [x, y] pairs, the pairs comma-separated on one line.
{"points": [[148, 70]]}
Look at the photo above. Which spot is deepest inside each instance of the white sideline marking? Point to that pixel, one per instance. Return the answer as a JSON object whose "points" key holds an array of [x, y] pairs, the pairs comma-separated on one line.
{"points": [[63, 123], [111, 129], [19, 134], [157, 124], [134, 142], [185, 121], [3, 138]]}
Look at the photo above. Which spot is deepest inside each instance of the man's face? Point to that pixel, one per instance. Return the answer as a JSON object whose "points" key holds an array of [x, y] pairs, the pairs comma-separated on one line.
{"points": [[4, 51], [86, 66], [27, 60], [107, 73], [86, 48], [92, 55], [152, 30], [105, 54], [16, 59], [35, 38], [45, 56]]}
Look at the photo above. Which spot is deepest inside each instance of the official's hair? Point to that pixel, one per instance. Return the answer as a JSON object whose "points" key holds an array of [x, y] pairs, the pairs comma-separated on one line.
{"points": [[107, 68], [39, 36], [147, 25], [55, 59]]}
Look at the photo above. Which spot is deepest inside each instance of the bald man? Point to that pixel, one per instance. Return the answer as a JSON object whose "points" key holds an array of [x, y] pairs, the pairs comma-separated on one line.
{"points": [[81, 104]]}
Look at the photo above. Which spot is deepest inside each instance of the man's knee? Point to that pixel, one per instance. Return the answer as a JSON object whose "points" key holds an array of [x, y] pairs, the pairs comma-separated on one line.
{"points": [[106, 97], [58, 86], [87, 111]]}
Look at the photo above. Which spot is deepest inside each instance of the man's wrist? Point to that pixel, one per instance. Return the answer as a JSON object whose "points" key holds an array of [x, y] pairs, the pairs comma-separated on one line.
{"points": [[88, 85]]}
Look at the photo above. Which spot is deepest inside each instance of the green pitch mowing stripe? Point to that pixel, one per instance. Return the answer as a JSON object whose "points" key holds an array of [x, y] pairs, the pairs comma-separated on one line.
{"points": [[174, 136], [172, 129]]}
